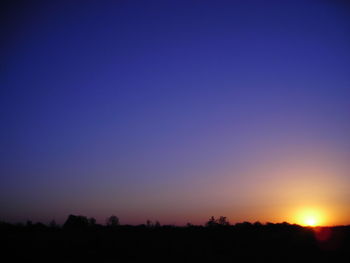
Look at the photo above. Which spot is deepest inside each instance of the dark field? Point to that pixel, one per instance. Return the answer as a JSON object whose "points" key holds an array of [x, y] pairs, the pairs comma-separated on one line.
{"points": [[243, 242]]}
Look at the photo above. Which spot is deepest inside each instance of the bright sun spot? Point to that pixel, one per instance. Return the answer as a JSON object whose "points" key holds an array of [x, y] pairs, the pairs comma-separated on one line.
{"points": [[311, 221], [310, 217]]}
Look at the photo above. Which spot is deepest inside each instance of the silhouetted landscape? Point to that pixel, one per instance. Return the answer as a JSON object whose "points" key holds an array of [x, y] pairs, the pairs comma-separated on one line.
{"points": [[80, 239], [212, 118]]}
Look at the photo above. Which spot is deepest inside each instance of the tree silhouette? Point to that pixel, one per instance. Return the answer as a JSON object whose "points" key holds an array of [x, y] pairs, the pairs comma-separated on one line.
{"points": [[53, 224], [222, 221], [149, 223], [112, 221], [211, 222], [76, 222], [92, 221]]}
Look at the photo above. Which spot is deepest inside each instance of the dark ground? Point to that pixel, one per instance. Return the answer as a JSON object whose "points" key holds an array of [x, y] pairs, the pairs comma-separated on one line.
{"points": [[239, 243]]}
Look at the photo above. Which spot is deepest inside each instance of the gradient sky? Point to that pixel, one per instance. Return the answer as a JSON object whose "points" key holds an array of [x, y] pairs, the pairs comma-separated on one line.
{"points": [[175, 110]]}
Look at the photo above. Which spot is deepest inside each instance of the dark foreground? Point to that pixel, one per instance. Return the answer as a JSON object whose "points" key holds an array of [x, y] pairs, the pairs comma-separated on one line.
{"points": [[240, 243]]}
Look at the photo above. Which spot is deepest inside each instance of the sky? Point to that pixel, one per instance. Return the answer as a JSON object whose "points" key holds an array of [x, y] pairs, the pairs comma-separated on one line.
{"points": [[175, 110]]}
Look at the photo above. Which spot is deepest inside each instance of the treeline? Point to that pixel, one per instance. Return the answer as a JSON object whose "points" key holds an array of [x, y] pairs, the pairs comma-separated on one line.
{"points": [[81, 222], [82, 239]]}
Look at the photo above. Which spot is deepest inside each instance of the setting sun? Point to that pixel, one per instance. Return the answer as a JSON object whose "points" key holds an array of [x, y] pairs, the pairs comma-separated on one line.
{"points": [[310, 217], [311, 221]]}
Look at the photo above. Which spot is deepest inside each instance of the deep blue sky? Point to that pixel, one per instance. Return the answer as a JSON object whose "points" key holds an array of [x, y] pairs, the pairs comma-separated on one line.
{"points": [[169, 109]]}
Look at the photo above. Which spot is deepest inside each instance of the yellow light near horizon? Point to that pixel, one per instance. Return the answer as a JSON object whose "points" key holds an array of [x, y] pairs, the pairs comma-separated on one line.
{"points": [[310, 217], [311, 221]]}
